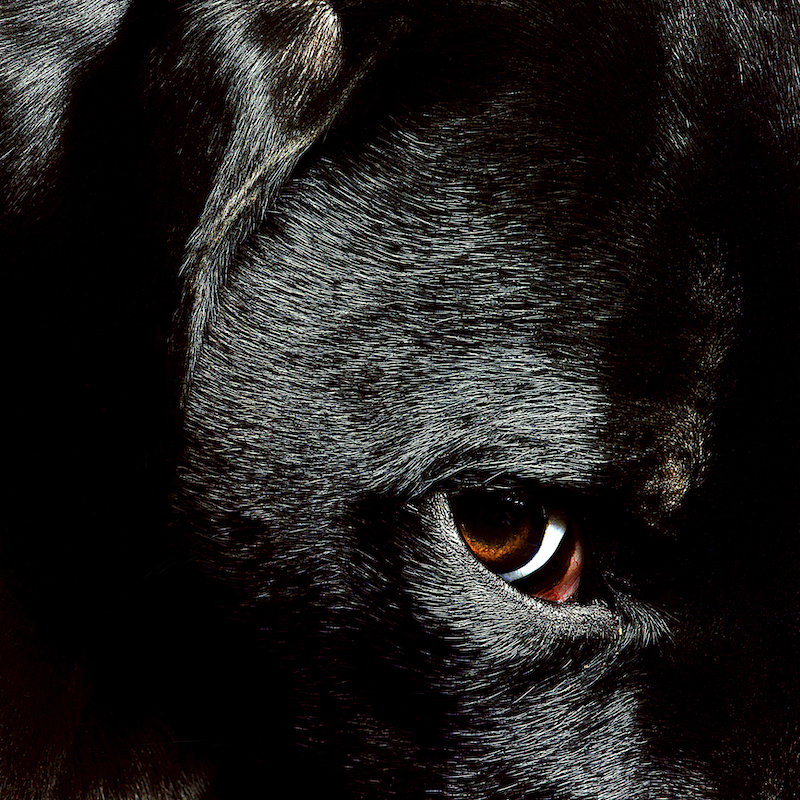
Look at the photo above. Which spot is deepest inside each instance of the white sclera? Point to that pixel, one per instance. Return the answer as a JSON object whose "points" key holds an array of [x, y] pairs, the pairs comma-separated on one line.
{"points": [[553, 536]]}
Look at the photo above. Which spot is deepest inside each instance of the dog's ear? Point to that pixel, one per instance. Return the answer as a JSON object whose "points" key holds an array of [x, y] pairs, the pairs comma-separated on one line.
{"points": [[46, 52], [243, 90], [170, 127]]}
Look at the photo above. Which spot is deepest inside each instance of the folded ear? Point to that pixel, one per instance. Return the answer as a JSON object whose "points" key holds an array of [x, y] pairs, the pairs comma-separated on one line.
{"points": [[46, 51], [154, 135], [255, 85]]}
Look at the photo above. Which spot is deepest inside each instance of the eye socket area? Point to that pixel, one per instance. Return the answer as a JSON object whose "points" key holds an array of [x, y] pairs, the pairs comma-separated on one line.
{"points": [[534, 547]]}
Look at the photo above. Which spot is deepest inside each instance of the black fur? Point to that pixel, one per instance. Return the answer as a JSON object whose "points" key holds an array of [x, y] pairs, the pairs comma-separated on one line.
{"points": [[281, 275]]}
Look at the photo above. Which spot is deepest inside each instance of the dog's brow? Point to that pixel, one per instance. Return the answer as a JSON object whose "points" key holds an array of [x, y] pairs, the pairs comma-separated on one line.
{"points": [[549, 435]]}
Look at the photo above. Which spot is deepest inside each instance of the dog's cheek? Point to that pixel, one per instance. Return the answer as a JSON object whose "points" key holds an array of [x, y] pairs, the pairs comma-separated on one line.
{"points": [[407, 666], [493, 690]]}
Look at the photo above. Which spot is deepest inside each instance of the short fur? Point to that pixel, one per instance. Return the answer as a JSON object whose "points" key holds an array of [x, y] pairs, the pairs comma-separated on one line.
{"points": [[292, 271]]}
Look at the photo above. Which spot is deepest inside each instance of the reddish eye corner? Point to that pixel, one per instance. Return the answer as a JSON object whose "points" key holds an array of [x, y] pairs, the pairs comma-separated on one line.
{"points": [[570, 581]]}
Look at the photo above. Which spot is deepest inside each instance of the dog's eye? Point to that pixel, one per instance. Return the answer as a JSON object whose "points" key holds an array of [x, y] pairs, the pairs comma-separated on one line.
{"points": [[533, 547]]}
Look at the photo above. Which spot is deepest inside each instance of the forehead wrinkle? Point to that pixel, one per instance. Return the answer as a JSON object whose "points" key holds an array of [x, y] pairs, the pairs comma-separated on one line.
{"points": [[681, 460]]}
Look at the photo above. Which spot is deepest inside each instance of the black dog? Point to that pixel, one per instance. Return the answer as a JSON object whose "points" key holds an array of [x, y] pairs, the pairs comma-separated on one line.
{"points": [[408, 399]]}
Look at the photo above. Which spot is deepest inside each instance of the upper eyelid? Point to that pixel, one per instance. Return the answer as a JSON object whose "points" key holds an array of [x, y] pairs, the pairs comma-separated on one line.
{"points": [[579, 502], [497, 482]]}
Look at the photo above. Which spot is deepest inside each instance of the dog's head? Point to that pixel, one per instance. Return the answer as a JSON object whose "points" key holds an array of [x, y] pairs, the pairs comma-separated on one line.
{"points": [[486, 353], [487, 418]]}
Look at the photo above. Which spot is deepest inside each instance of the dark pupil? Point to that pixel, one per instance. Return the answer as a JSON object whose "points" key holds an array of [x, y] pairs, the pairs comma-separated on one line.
{"points": [[494, 517]]}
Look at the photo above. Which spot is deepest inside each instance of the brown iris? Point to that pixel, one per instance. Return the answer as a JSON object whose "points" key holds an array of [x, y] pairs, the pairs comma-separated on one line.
{"points": [[502, 530]]}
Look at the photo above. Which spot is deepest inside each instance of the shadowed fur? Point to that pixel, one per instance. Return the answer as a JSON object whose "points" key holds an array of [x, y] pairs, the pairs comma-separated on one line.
{"points": [[295, 275]]}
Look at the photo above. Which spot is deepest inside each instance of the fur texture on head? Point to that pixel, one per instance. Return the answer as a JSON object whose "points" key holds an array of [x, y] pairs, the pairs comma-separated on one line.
{"points": [[313, 291]]}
